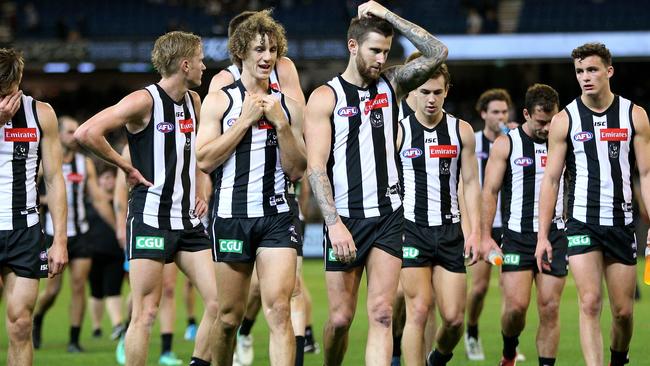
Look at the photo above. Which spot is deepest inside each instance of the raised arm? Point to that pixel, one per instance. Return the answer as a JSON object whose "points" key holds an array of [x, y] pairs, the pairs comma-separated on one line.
{"points": [[642, 151], [471, 190], [405, 78], [134, 111], [557, 148], [495, 170], [100, 199], [55, 186]]}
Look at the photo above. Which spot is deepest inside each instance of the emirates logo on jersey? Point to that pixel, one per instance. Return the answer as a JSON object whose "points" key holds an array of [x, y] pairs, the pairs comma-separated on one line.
{"points": [[443, 151], [613, 134], [74, 178], [263, 124], [21, 135], [275, 86], [380, 101], [186, 125]]}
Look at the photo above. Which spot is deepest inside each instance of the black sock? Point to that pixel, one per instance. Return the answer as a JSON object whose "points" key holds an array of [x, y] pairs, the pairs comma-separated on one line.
{"points": [[510, 346], [166, 342], [472, 331], [309, 334], [436, 358], [74, 335], [300, 350], [543, 361], [195, 361], [191, 321], [397, 345], [246, 326], [618, 358], [38, 320]]}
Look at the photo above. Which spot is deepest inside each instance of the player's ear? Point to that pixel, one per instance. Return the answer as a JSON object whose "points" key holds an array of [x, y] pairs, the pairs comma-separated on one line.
{"points": [[353, 46]]}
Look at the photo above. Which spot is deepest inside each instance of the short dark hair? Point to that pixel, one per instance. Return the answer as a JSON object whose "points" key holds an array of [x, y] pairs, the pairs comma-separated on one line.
{"points": [[592, 49], [237, 20], [444, 71], [492, 95], [413, 56], [361, 27], [11, 69], [541, 95]]}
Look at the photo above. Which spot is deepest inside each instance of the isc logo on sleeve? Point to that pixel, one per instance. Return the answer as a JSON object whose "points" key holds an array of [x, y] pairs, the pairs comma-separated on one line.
{"points": [[149, 242], [230, 246]]}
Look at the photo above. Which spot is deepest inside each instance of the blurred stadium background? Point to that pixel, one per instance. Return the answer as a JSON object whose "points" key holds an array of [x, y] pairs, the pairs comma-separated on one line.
{"points": [[82, 56]]}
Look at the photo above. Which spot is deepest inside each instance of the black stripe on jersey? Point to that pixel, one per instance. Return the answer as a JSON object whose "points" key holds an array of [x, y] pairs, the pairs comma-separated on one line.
{"points": [[632, 154], [268, 179], [613, 121], [485, 149], [460, 148], [353, 157], [141, 151], [381, 162], [442, 131], [19, 171], [570, 158], [330, 159], [528, 197], [406, 108], [593, 165], [38, 151], [420, 173], [506, 188], [217, 175], [165, 206], [242, 169], [186, 182], [75, 196]]}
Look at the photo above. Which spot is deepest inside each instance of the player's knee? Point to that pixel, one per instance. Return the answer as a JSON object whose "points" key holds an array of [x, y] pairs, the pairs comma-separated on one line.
{"points": [[516, 309], [168, 291], [19, 327], [211, 307], [228, 321], [591, 304], [381, 313], [146, 316], [341, 320], [479, 289], [549, 309], [418, 313], [622, 315], [278, 313], [453, 320]]}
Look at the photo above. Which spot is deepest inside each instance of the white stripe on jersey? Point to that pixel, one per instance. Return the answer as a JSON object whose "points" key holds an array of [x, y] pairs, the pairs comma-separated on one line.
{"points": [[75, 200], [482, 155], [23, 128], [274, 79]]}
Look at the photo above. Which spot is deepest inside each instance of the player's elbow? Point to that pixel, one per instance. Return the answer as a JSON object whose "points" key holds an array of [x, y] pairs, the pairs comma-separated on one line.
{"points": [[204, 165], [83, 135]]}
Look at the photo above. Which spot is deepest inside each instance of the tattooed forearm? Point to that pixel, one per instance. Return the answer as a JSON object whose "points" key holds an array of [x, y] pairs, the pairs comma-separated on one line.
{"points": [[415, 73], [320, 185]]}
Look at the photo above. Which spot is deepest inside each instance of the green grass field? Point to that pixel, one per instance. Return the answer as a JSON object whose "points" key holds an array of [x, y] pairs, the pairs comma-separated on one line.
{"points": [[101, 352]]}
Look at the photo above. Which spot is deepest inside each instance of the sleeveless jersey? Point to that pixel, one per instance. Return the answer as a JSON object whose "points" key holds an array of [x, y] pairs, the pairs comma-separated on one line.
{"points": [[20, 156], [362, 164], [164, 154], [483, 146], [522, 184], [599, 162], [274, 79], [74, 176], [404, 109], [251, 183], [431, 167]]}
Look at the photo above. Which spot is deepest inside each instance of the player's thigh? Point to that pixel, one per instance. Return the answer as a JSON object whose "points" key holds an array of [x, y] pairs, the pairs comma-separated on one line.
{"points": [[199, 269], [145, 278], [516, 288], [343, 290], [416, 283], [80, 269], [233, 281], [587, 270], [20, 295], [451, 292], [480, 273], [621, 285], [276, 268], [549, 289], [383, 271]]}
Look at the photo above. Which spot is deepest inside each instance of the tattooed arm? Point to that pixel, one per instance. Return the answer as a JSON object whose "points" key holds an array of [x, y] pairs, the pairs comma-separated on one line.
{"points": [[405, 78], [317, 132]]}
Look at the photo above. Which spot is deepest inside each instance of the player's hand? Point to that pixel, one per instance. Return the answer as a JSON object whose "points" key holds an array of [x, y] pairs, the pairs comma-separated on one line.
{"points": [[134, 177], [9, 105], [543, 254], [472, 249], [57, 256], [252, 109], [345, 251], [201, 208], [372, 8], [273, 111]]}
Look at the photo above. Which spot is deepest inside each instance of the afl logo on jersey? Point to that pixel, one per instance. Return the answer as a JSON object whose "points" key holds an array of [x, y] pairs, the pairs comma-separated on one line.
{"points": [[165, 127], [231, 122], [482, 155], [412, 153], [524, 161], [348, 112], [583, 136]]}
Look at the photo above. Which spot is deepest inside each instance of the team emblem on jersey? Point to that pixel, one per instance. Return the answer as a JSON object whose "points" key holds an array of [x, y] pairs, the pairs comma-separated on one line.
{"points": [[188, 143], [613, 150], [613, 134], [75, 177], [583, 136], [524, 161], [412, 153], [380, 101], [186, 125], [165, 127], [444, 167], [271, 138], [443, 151], [20, 152], [348, 111], [21, 135], [377, 119]]}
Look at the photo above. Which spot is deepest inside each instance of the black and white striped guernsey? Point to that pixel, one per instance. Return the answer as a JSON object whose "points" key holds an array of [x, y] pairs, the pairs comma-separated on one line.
{"points": [[274, 79], [164, 154], [483, 147], [251, 183], [430, 170], [599, 161], [522, 184], [362, 164], [74, 176], [405, 110], [20, 156]]}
